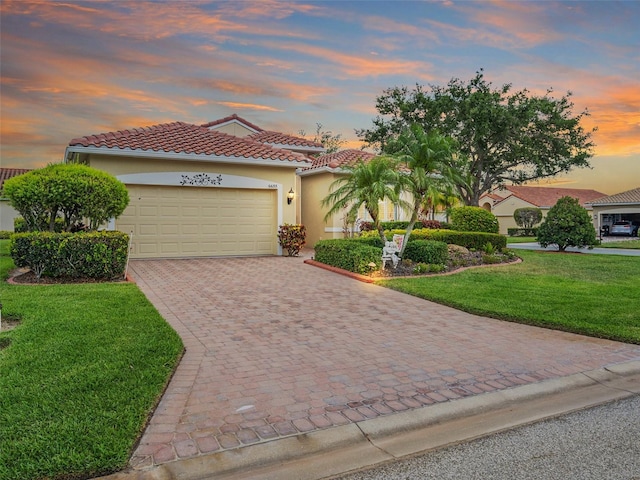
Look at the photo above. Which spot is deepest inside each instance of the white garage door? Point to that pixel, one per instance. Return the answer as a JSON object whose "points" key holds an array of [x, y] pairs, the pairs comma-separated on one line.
{"points": [[199, 221]]}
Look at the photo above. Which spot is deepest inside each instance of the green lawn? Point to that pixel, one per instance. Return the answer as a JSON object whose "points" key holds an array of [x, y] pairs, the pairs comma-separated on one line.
{"points": [[521, 239], [80, 376], [629, 244], [597, 295]]}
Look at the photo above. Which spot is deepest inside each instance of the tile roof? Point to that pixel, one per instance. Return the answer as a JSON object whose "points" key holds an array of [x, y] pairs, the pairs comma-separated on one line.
{"points": [[341, 158], [7, 173], [185, 138], [548, 196], [282, 139], [630, 196], [232, 118]]}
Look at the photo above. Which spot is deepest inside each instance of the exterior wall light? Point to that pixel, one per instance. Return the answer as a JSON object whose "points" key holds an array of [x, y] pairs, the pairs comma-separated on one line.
{"points": [[290, 196]]}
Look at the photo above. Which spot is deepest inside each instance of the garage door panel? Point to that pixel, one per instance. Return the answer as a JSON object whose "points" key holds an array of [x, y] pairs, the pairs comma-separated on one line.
{"points": [[148, 229], [169, 229], [167, 211], [193, 229], [199, 221]]}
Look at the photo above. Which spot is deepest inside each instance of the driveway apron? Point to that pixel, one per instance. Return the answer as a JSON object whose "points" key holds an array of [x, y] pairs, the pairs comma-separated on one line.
{"points": [[275, 348]]}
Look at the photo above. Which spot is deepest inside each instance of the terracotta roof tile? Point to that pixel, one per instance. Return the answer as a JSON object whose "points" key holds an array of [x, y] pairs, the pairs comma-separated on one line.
{"points": [[7, 173], [277, 138], [231, 118], [180, 137], [548, 196], [341, 158], [630, 196]]}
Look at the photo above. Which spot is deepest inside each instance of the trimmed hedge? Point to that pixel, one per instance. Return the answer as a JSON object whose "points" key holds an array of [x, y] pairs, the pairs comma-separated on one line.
{"points": [[522, 232], [97, 255], [392, 225], [371, 240], [352, 255], [474, 219], [471, 240], [426, 251]]}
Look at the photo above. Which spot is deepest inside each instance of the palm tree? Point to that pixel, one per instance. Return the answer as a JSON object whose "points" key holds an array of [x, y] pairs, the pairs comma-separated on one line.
{"points": [[428, 157], [366, 184]]}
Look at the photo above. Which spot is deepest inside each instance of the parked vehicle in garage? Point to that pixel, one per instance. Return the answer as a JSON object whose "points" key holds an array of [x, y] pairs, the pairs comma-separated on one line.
{"points": [[624, 227]]}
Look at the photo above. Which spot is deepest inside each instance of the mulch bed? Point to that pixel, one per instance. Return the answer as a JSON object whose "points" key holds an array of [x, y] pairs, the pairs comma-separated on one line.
{"points": [[458, 261]]}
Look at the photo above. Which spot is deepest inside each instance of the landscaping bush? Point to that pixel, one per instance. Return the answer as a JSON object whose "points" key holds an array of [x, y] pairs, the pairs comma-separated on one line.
{"points": [[431, 224], [76, 193], [426, 251], [522, 232], [474, 219], [352, 255], [292, 238], [366, 226], [568, 224], [393, 225], [96, 255], [527, 217], [5, 234], [471, 240], [372, 239]]}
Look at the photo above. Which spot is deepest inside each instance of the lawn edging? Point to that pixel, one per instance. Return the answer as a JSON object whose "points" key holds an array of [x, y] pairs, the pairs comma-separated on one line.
{"points": [[341, 271]]}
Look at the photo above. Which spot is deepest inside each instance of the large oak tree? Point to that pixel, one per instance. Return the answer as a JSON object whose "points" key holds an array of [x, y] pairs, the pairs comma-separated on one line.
{"points": [[503, 136]]}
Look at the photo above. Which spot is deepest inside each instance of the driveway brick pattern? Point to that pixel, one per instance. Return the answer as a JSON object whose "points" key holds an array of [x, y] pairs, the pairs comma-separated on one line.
{"points": [[275, 347]]}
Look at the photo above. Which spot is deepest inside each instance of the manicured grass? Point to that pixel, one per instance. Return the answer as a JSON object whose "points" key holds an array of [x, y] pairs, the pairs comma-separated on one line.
{"points": [[597, 295], [82, 373], [630, 244], [521, 239]]}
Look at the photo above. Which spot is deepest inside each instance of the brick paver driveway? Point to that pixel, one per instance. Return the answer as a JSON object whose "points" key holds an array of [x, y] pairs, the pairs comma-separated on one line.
{"points": [[275, 347]]}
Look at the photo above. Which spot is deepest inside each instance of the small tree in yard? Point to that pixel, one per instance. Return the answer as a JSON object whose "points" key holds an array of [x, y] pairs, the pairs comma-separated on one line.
{"points": [[567, 225], [367, 184], [527, 217]]}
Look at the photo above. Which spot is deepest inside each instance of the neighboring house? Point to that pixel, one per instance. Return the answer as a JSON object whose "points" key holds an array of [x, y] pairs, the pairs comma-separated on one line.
{"points": [[621, 206], [503, 202], [218, 189], [7, 212]]}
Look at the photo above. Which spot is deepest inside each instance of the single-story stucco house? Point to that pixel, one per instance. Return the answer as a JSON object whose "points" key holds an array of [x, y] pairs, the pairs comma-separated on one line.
{"points": [[613, 208], [504, 202], [218, 189]]}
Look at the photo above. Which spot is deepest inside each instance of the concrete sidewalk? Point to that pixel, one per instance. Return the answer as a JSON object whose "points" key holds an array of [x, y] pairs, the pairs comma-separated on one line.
{"points": [[284, 357]]}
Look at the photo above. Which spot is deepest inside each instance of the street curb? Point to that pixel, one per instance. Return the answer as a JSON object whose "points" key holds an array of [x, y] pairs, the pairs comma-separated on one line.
{"points": [[337, 450]]}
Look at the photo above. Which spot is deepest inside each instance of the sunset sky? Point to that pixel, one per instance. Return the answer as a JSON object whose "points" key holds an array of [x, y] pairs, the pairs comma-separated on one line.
{"points": [[70, 68]]}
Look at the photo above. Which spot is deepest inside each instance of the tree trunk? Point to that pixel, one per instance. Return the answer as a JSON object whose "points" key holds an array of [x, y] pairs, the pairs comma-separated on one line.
{"points": [[412, 221]]}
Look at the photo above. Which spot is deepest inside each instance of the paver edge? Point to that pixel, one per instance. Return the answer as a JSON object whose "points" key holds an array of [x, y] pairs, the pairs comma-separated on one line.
{"points": [[375, 431]]}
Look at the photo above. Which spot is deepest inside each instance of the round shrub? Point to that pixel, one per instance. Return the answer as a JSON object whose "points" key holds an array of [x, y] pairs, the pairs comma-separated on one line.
{"points": [[74, 193], [426, 251], [568, 224], [474, 219]]}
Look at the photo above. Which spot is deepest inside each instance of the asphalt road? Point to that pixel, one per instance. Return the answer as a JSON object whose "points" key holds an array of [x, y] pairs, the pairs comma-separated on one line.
{"points": [[602, 251], [599, 443]]}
